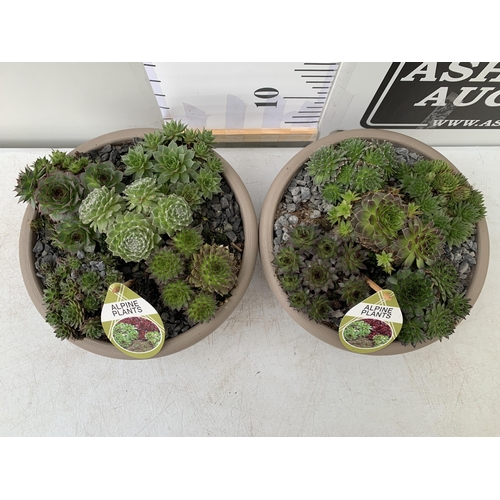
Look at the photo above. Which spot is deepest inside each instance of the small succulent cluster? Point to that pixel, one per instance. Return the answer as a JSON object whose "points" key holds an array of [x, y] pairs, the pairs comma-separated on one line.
{"points": [[389, 221], [140, 208], [74, 292]]}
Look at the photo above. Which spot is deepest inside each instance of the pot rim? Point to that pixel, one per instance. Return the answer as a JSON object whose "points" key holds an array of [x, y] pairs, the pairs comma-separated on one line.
{"points": [[275, 194], [199, 331]]}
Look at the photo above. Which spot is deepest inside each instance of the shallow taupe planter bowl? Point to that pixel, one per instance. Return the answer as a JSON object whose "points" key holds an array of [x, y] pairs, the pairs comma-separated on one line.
{"points": [[275, 195], [35, 289]]}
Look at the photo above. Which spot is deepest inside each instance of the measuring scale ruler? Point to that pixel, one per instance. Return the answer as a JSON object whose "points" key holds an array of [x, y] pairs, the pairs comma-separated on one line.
{"points": [[245, 102]]}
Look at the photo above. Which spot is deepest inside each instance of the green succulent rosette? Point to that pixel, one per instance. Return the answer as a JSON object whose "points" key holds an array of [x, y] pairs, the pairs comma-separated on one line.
{"points": [[100, 208], [59, 195], [171, 214], [132, 237]]}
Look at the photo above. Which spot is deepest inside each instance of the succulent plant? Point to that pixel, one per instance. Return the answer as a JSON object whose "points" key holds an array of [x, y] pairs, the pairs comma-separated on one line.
{"points": [[287, 260], [142, 195], [350, 258], [100, 208], [73, 236], [419, 243], [164, 265], [332, 193], [413, 289], [59, 195], [152, 140], [353, 148], [303, 237], [353, 290], [97, 175], [213, 269], [72, 314], [440, 322], [208, 182], [171, 214], [138, 162], [368, 178], [299, 300], [176, 294], [205, 136], [187, 241], [132, 237], [290, 282], [444, 276], [459, 305], [377, 218], [326, 247], [27, 180], [202, 308], [324, 163], [214, 164], [413, 331], [174, 130], [190, 192], [319, 308], [92, 328], [318, 276], [202, 151], [173, 163]]}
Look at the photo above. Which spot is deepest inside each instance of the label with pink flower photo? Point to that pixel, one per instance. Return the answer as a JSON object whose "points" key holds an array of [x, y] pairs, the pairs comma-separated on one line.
{"points": [[372, 324]]}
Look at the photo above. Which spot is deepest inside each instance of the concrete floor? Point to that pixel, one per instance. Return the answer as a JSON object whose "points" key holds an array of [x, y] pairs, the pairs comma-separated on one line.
{"points": [[259, 374]]}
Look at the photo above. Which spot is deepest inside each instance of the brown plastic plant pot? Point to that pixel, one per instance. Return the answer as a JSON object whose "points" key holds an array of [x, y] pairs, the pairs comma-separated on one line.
{"points": [[190, 337], [275, 194]]}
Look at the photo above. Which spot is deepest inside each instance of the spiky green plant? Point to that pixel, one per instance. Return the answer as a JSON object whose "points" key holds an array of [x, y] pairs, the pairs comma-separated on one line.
{"points": [[440, 322], [190, 192], [340, 212], [171, 214], [173, 164], [385, 261], [214, 164], [214, 269], [142, 195], [326, 247], [92, 328], [202, 151], [353, 148], [319, 308], [377, 219], [132, 237], [138, 162], [73, 236], [318, 275], [413, 289], [419, 243], [100, 208], [458, 231], [208, 182], [353, 290], [299, 300], [324, 163], [444, 276], [368, 178], [152, 140], [176, 294], [89, 281], [332, 193], [72, 314], [174, 130], [290, 282], [413, 331], [59, 195], [459, 305], [187, 241], [303, 237], [27, 180], [350, 259], [202, 308], [164, 265], [205, 136], [97, 175], [287, 260]]}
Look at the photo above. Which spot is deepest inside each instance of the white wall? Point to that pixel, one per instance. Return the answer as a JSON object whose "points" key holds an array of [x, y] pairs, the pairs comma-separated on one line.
{"points": [[66, 104]]}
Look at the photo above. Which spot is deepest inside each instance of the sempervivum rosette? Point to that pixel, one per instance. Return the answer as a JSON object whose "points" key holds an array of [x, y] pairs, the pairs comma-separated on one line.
{"points": [[132, 237]]}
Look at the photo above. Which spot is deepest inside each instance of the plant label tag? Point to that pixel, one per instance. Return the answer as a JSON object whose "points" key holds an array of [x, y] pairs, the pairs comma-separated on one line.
{"points": [[131, 323], [372, 324]]}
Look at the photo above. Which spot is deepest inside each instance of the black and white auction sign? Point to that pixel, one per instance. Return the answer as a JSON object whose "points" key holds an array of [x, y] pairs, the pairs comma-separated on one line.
{"points": [[437, 95]]}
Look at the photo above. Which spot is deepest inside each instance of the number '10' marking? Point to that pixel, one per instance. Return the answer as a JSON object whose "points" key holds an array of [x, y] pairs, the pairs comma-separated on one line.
{"points": [[266, 93]]}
